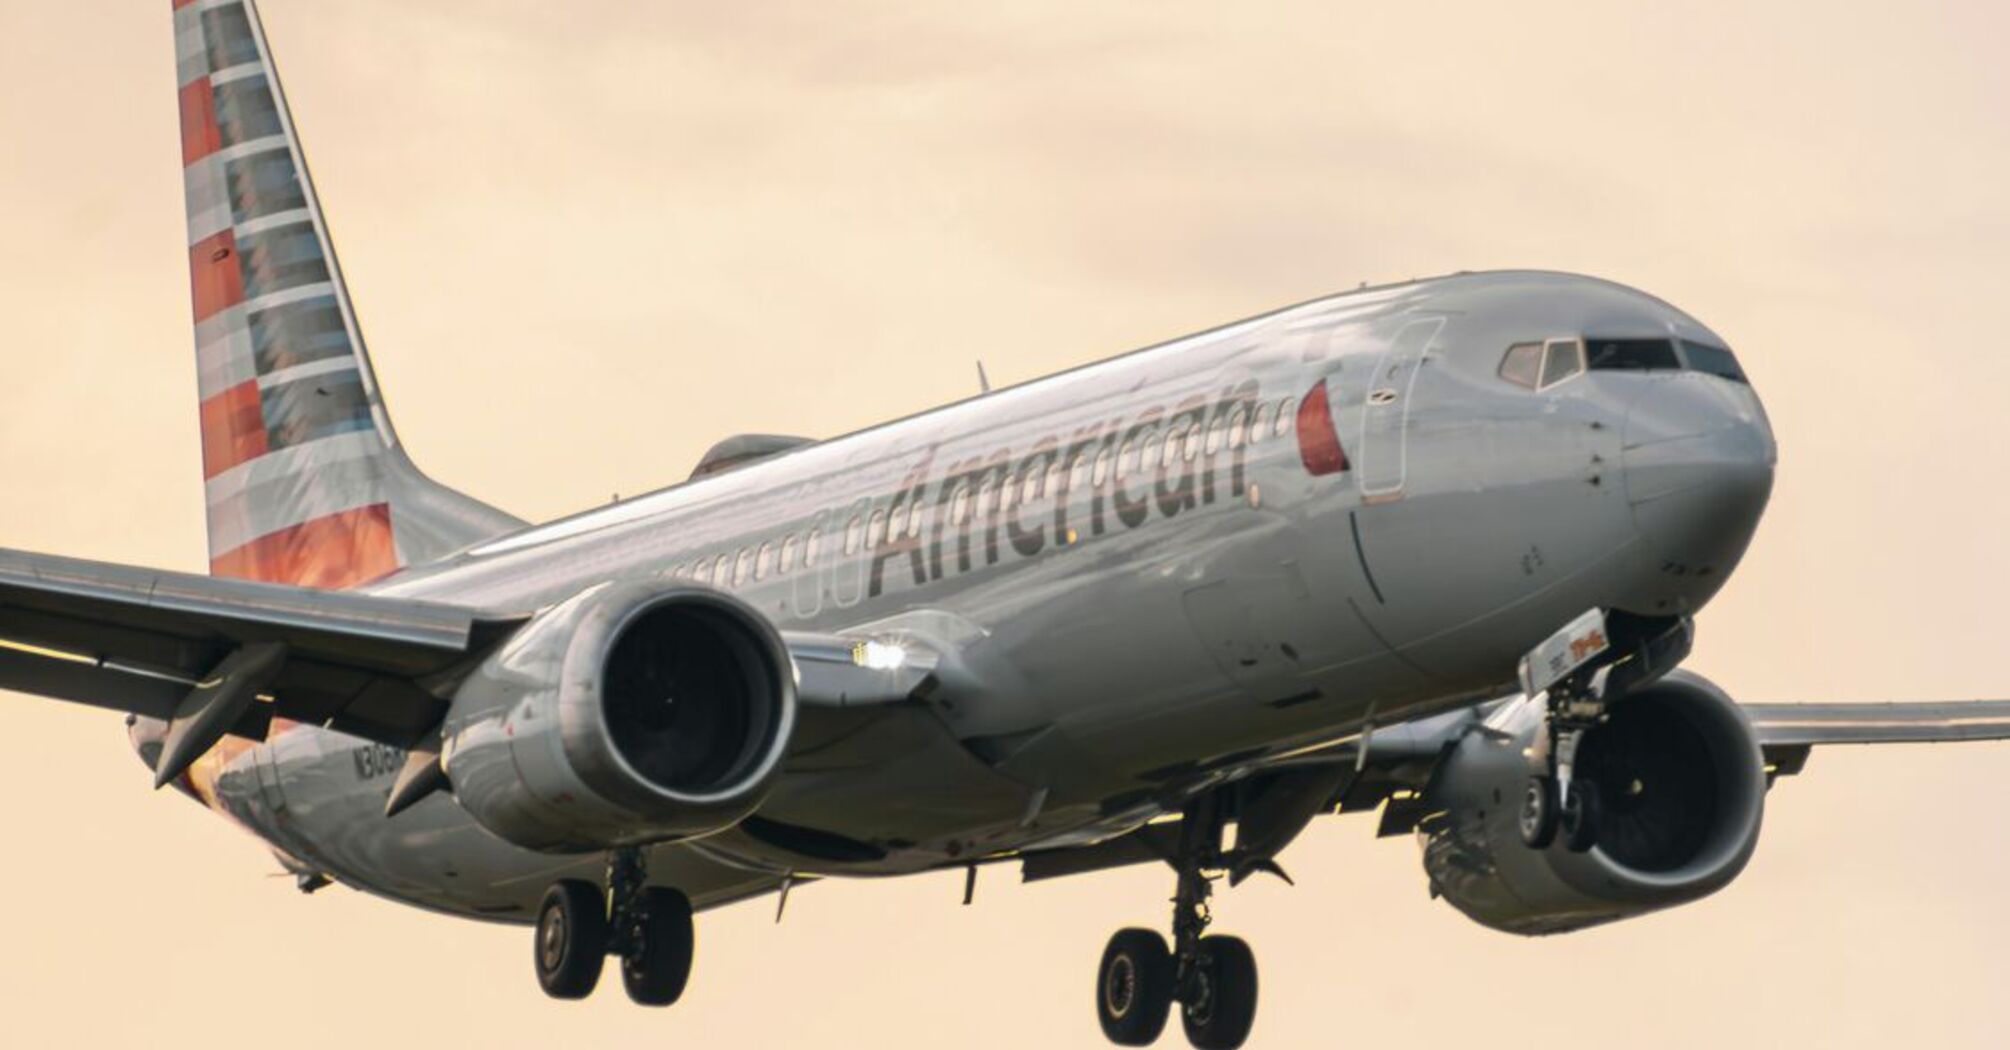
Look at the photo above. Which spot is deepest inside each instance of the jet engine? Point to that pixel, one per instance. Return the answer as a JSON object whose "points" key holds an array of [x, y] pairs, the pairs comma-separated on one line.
{"points": [[630, 713], [1682, 788]]}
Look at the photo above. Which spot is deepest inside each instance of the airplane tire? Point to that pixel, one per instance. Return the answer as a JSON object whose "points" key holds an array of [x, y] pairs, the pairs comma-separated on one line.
{"points": [[655, 975], [1222, 1006], [1538, 819], [1579, 816], [571, 942], [1134, 987]]}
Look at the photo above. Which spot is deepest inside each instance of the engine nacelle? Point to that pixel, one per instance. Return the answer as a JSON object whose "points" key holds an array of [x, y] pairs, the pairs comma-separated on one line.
{"points": [[1682, 786], [630, 713]]}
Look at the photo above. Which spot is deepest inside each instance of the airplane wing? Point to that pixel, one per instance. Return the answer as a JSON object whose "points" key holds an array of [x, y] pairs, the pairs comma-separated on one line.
{"points": [[215, 657], [1392, 773], [1789, 732], [240, 653], [1792, 725]]}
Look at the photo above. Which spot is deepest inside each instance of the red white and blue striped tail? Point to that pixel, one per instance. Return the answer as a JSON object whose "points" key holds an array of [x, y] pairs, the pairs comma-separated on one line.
{"points": [[306, 481]]}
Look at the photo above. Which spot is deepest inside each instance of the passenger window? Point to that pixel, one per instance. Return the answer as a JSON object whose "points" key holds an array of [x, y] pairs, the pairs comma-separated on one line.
{"points": [[810, 544], [1284, 413], [959, 505], [914, 518], [1564, 358], [1102, 468], [722, 571], [1259, 424], [852, 531], [896, 520], [743, 566], [1236, 428], [1631, 355], [1214, 435], [875, 529], [764, 560], [1029, 485], [788, 554], [1522, 365]]}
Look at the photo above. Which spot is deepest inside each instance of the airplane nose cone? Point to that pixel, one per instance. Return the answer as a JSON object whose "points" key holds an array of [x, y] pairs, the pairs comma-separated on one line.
{"points": [[1698, 462]]}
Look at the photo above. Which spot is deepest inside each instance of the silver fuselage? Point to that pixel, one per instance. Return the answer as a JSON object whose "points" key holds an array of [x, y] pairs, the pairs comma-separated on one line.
{"points": [[1126, 625]]}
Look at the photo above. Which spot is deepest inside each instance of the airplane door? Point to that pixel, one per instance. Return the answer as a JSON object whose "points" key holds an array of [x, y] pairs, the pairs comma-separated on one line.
{"points": [[820, 547], [1380, 455], [850, 557]]}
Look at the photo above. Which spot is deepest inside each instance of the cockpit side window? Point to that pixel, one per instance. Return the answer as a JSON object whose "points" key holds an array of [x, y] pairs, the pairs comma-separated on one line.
{"points": [[1522, 365], [1561, 359], [1713, 360], [1632, 355]]}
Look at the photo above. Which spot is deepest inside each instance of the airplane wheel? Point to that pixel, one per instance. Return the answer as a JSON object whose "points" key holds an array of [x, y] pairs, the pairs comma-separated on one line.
{"points": [[1579, 816], [656, 973], [1134, 987], [1538, 817], [571, 939], [1222, 1005]]}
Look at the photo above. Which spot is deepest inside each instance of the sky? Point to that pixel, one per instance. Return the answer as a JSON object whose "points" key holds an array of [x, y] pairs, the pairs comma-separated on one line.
{"points": [[587, 240]]}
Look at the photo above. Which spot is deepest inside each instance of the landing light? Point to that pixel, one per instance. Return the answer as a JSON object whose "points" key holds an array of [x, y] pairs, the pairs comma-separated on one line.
{"points": [[879, 656]]}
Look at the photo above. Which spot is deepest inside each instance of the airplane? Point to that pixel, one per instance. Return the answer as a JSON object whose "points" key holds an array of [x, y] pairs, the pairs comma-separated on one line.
{"points": [[1431, 550]]}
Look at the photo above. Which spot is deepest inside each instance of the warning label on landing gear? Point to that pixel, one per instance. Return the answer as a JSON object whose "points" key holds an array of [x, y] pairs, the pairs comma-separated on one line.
{"points": [[1580, 641]]}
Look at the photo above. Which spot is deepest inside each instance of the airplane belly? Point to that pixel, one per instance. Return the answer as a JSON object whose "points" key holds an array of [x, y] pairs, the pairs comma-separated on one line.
{"points": [[318, 796]]}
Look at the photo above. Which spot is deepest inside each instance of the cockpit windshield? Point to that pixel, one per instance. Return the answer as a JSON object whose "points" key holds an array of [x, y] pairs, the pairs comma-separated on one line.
{"points": [[1541, 365], [1715, 360], [1631, 355]]}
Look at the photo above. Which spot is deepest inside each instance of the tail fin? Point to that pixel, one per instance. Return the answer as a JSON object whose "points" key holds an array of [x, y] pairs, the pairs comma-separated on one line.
{"points": [[306, 481]]}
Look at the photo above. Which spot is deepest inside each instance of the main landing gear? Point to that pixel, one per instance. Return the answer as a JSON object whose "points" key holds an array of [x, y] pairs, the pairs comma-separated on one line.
{"points": [[648, 927], [1553, 802], [1211, 977]]}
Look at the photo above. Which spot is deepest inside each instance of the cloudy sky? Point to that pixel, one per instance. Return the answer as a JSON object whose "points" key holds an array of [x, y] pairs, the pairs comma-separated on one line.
{"points": [[588, 239]]}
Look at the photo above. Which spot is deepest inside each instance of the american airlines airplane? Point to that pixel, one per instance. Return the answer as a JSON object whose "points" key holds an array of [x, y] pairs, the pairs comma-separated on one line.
{"points": [[1431, 551]]}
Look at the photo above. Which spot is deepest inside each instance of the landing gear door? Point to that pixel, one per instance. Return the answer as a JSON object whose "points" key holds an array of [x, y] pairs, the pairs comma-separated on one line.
{"points": [[1381, 454]]}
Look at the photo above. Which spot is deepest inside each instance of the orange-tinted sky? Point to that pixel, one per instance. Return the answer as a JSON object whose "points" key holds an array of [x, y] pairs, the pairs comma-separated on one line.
{"points": [[588, 239]]}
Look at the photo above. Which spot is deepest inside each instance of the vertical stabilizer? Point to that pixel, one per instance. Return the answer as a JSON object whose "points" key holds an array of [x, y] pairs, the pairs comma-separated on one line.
{"points": [[306, 482]]}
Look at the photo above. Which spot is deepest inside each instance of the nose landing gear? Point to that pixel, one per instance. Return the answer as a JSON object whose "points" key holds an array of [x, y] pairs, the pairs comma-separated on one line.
{"points": [[1211, 977], [648, 927], [1581, 670], [1554, 801]]}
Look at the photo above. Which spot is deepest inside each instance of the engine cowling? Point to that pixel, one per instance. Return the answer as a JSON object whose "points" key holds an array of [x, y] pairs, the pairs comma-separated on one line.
{"points": [[1682, 785], [630, 713]]}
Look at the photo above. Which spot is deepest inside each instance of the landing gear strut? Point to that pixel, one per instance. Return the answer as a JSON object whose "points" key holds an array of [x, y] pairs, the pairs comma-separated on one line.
{"points": [[648, 927], [1211, 977], [1554, 801]]}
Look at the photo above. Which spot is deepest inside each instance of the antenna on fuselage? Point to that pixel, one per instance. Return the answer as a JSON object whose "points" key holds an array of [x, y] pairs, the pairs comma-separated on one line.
{"points": [[983, 381]]}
